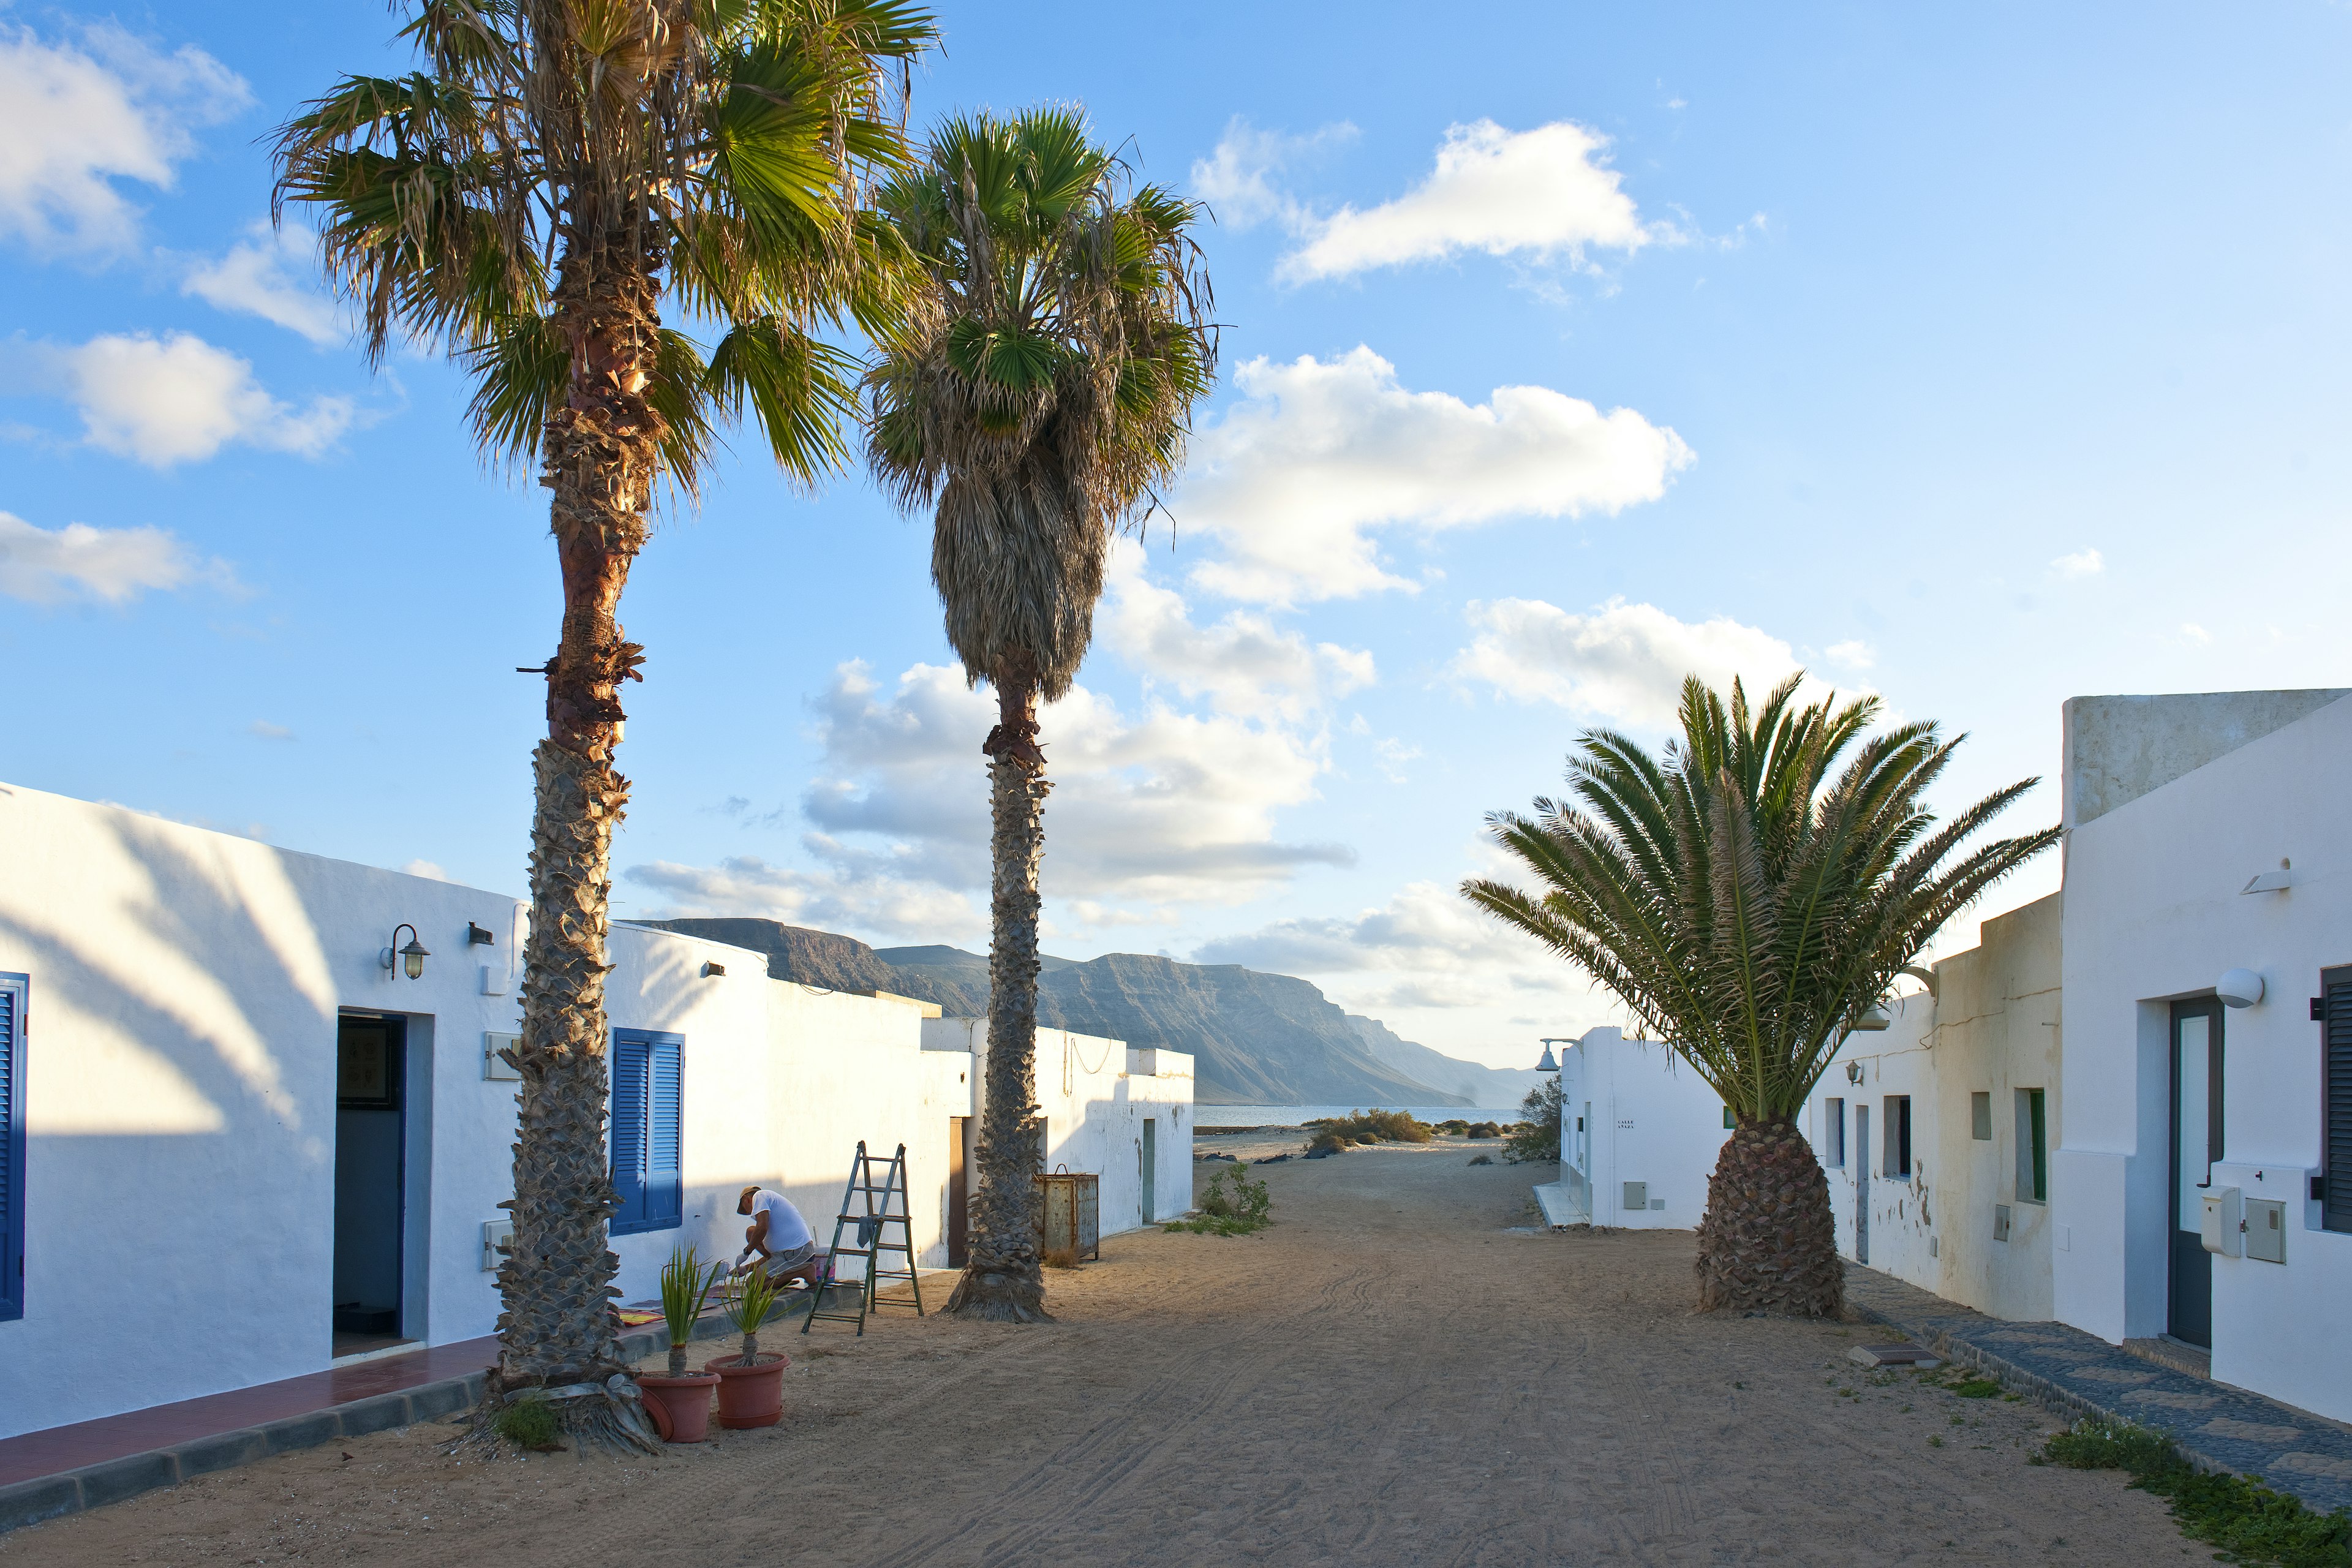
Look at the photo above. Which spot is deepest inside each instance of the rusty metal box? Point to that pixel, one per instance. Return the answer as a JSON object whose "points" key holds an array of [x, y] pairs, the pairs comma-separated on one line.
{"points": [[1069, 1215]]}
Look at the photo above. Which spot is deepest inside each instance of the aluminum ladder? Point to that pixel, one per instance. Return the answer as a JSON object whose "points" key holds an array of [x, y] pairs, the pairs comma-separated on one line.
{"points": [[871, 1227]]}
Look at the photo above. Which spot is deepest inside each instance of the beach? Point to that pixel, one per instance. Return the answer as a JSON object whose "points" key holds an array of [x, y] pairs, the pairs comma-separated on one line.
{"points": [[1407, 1369]]}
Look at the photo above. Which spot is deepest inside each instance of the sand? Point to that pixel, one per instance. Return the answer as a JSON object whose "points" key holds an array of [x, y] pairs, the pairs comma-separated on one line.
{"points": [[1404, 1371]]}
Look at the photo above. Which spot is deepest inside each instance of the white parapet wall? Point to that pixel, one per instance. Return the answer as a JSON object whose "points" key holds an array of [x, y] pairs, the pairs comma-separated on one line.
{"points": [[183, 992]]}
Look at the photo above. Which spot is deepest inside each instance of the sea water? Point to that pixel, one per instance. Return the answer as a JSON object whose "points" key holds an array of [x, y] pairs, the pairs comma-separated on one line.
{"points": [[1300, 1115]]}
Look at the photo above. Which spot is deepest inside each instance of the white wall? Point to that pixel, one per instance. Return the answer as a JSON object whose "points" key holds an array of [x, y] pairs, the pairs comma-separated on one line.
{"points": [[2153, 914], [180, 1094], [1990, 1028], [1648, 1117], [1095, 1094]]}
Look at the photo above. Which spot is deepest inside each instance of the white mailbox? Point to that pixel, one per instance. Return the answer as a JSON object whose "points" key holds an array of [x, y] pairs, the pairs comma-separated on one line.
{"points": [[2220, 1223]]}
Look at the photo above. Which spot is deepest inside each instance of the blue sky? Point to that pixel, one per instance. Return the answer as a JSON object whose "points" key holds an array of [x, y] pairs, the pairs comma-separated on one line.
{"points": [[1977, 359]]}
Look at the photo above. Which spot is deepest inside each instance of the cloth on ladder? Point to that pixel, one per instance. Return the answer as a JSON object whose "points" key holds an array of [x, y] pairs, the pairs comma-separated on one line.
{"points": [[868, 1227]]}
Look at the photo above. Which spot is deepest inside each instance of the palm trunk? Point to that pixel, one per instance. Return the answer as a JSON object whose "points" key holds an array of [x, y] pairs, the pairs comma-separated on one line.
{"points": [[558, 1332], [1769, 1243], [1003, 1281]]}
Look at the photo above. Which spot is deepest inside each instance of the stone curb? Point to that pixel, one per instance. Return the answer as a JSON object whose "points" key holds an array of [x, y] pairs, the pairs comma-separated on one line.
{"points": [[114, 1480]]}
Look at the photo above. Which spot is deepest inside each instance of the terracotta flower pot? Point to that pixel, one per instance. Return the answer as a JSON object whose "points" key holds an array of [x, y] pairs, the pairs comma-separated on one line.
{"points": [[751, 1396], [681, 1406]]}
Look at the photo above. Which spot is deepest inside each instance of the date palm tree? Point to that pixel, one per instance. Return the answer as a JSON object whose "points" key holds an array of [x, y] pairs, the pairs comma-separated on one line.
{"points": [[1040, 390], [1747, 908], [527, 200]]}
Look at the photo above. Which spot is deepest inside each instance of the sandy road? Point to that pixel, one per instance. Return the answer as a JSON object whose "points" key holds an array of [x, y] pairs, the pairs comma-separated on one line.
{"points": [[1392, 1375]]}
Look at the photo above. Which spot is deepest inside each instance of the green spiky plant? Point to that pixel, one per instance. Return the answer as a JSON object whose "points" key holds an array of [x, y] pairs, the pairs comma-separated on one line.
{"points": [[1041, 389], [749, 1297], [1747, 900], [685, 1286], [553, 175]]}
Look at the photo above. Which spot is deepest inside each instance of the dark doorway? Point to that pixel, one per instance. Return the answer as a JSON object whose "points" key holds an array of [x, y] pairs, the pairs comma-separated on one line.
{"points": [[1150, 1157], [959, 1194], [1861, 1183], [370, 1133], [2196, 1144]]}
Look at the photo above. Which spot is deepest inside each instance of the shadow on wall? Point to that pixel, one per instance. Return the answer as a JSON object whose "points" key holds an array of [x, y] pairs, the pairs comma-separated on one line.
{"points": [[181, 1063]]}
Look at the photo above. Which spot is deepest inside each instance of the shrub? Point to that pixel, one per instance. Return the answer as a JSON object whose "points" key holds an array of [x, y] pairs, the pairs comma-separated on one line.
{"points": [[531, 1423], [1536, 1135], [1374, 1127], [1459, 1128], [2249, 1521], [1247, 1206], [1327, 1141], [1482, 1159], [1482, 1130]]}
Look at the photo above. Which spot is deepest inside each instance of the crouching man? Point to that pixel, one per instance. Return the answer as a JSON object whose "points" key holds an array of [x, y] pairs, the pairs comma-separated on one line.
{"points": [[786, 1247]]}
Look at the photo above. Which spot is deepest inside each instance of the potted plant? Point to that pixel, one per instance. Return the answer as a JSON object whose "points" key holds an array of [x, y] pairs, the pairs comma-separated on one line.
{"points": [[750, 1385], [681, 1402]]}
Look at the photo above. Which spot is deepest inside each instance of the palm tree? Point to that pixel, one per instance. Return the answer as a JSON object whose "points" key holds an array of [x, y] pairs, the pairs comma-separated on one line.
{"points": [[1748, 908], [515, 201], [1042, 388]]}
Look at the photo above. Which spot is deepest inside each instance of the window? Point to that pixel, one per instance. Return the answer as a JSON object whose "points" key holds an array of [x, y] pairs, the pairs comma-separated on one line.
{"points": [[1980, 1116], [1897, 1130], [12, 988], [2335, 1013], [647, 1085], [1833, 1133], [2032, 1148]]}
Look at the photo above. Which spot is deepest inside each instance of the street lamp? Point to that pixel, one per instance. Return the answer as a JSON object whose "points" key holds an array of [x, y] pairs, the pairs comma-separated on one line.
{"points": [[1548, 1064]]}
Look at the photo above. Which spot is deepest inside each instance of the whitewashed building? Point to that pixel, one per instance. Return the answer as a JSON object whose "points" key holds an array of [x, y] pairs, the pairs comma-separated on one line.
{"points": [[1640, 1132], [1936, 1132], [218, 1102], [2203, 1187]]}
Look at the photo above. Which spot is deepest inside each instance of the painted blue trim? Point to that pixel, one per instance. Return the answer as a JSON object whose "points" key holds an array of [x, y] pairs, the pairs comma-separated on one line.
{"points": [[15, 993], [648, 1132]]}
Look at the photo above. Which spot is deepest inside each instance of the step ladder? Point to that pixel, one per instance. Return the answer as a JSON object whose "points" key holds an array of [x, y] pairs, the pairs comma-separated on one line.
{"points": [[869, 1227]]}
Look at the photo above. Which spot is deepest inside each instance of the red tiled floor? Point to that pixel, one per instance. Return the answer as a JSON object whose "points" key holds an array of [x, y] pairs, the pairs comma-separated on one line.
{"points": [[37, 1454]]}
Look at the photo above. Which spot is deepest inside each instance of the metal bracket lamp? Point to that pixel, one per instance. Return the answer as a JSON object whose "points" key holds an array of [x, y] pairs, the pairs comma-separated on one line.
{"points": [[412, 957], [1550, 1064]]}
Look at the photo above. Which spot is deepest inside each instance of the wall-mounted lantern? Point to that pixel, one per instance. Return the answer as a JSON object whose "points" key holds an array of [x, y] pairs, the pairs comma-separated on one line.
{"points": [[1871, 1019], [412, 957], [1551, 1063], [1854, 1072]]}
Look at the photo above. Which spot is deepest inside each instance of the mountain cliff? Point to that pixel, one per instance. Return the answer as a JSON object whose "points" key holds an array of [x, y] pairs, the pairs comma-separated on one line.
{"points": [[1256, 1039], [1495, 1088]]}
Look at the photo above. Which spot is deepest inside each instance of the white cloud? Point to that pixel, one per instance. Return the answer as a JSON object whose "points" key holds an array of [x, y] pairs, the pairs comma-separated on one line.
{"points": [[77, 117], [1548, 192], [43, 566], [1292, 480], [263, 730], [829, 899], [1237, 180], [258, 276], [420, 867], [2080, 563], [1854, 656], [2194, 635], [178, 399], [1621, 662], [1242, 664]]}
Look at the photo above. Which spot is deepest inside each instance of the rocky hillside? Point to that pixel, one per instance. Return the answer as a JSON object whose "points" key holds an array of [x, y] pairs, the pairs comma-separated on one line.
{"points": [[1268, 1039]]}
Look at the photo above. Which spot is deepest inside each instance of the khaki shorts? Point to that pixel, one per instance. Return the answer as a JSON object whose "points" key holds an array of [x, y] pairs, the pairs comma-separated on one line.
{"points": [[784, 1263]]}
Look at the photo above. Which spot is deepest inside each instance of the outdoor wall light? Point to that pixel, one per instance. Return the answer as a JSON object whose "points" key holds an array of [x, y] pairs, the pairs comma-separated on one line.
{"points": [[413, 956], [2239, 988], [476, 937], [1854, 1072], [1871, 1020], [1550, 1064]]}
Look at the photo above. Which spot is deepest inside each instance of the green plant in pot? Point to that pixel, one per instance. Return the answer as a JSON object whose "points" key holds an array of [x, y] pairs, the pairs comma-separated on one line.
{"points": [[750, 1385], [680, 1403]]}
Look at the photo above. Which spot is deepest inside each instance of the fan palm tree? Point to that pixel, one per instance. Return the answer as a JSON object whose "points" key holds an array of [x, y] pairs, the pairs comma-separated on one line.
{"points": [[1747, 908], [1040, 390], [526, 200]]}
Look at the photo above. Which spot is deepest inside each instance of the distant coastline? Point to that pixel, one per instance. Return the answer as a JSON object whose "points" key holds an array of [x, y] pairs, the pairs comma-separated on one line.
{"points": [[1300, 1115]]}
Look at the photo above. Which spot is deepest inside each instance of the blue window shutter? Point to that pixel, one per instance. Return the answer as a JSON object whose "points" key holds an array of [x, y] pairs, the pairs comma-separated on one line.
{"points": [[13, 989], [629, 1063], [648, 1089], [665, 1191]]}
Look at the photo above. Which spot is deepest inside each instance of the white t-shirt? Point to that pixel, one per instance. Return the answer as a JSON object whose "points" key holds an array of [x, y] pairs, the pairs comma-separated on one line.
{"points": [[786, 1229]]}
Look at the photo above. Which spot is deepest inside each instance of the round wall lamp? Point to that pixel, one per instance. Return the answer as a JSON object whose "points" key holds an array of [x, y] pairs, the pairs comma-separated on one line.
{"points": [[412, 957], [2239, 988], [1871, 1019]]}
